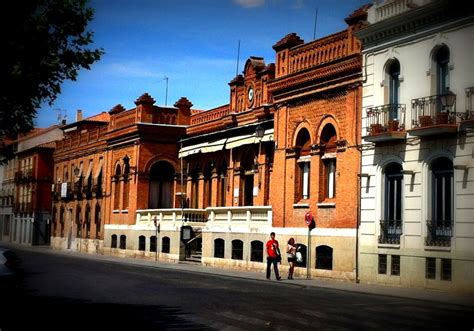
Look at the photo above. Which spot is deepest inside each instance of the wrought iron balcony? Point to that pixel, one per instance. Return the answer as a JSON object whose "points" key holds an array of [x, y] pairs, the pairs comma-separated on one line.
{"points": [[467, 117], [430, 117], [390, 231], [385, 123], [439, 233]]}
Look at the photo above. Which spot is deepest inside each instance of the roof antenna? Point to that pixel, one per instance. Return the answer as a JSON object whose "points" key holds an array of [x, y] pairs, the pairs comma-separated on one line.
{"points": [[166, 94], [315, 21], [238, 55]]}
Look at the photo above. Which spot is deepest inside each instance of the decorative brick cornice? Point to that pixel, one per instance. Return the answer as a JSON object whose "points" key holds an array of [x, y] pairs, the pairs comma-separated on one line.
{"points": [[350, 65]]}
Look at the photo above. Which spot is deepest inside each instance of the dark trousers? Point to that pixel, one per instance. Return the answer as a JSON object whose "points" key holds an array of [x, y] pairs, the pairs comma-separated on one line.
{"points": [[273, 260]]}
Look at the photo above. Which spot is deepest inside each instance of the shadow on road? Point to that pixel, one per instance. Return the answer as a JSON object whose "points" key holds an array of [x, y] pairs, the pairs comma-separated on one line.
{"points": [[21, 311]]}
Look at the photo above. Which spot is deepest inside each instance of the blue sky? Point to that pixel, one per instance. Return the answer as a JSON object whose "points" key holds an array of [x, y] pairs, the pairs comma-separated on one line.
{"points": [[192, 42]]}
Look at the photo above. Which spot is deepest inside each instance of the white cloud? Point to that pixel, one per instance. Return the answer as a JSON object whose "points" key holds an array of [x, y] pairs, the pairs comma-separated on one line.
{"points": [[249, 3]]}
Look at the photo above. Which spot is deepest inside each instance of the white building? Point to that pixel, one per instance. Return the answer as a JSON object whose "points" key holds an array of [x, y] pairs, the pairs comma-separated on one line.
{"points": [[417, 172]]}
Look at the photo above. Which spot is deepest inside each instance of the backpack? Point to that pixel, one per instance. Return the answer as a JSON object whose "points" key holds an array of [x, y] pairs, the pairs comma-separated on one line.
{"points": [[299, 257]]}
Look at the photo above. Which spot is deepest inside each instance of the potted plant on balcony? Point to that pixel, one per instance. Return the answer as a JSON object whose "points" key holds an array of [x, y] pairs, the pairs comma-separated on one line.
{"points": [[393, 125], [375, 128], [442, 117], [425, 120]]}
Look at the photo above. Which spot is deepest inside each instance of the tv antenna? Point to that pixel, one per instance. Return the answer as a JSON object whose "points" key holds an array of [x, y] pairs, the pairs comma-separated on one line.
{"points": [[166, 93]]}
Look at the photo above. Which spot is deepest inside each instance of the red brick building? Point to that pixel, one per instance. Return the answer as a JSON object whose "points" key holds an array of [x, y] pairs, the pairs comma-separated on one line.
{"points": [[211, 185]]}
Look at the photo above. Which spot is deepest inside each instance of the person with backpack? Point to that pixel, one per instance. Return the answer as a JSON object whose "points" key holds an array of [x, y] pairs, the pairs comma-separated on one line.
{"points": [[291, 254]]}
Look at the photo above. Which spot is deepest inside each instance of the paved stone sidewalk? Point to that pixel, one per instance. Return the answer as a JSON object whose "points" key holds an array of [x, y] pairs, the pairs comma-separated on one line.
{"points": [[402, 292]]}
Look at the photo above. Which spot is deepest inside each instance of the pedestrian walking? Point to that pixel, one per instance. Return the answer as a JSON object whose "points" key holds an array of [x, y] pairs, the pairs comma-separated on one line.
{"points": [[291, 254], [273, 256]]}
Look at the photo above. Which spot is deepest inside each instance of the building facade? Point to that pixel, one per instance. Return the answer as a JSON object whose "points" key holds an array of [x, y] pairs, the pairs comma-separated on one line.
{"points": [[26, 188], [286, 145], [417, 180]]}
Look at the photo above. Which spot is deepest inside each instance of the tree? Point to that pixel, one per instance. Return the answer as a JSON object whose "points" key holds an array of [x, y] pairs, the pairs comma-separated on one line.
{"points": [[44, 43]]}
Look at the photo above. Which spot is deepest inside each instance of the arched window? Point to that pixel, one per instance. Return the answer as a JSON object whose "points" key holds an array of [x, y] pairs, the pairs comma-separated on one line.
{"points": [[391, 224], [195, 174], [237, 249], [61, 220], [256, 251], [328, 169], [165, 245], [113, 243], [247, 174], [393, 77], [126, 186], [442, 70], [116, 181], [123, 241], [78, 221], [442, 201], [302, 176], [141, 243], [324, 257], [161, 185], [222, 184], [208, 185], [219, 248], [98, 220], [87, 223], [153, 244]]}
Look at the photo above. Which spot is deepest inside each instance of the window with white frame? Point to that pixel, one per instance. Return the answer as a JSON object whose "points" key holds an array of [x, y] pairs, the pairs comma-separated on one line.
{"points": [[328, 163], [302, 177]]}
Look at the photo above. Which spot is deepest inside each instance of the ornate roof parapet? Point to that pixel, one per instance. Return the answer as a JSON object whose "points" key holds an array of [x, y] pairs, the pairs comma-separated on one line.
{"points": [[184, 111], [238, 80], [289, 41], [183, 104], [117, 109], [145, 99]]}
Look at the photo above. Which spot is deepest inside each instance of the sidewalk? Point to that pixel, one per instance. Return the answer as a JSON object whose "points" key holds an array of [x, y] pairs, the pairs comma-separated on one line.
{"points": [[402, 292]]}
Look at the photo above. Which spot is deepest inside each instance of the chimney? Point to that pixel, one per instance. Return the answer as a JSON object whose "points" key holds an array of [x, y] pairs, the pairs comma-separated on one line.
{"points": [[78, 115]]}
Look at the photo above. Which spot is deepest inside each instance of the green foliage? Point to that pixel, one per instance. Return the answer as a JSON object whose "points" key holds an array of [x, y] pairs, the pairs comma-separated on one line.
{"points": [[44, 43]]}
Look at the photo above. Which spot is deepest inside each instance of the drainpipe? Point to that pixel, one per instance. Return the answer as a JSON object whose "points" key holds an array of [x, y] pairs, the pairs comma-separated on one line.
{"points": [[358, 135]]}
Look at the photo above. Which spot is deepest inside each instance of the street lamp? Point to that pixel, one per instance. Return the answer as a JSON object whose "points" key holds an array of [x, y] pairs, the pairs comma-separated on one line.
{"points": [[259, 133], [448, 99]]}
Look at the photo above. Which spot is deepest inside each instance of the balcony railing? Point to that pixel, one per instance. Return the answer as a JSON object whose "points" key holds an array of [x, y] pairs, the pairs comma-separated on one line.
{"points": [[439, 233], [390, 232], [430, 117], [251, 216], [386, 122]]}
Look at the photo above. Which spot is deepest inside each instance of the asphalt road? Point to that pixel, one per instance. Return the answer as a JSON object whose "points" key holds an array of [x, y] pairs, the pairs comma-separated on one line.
{"points": [[61, 292]]}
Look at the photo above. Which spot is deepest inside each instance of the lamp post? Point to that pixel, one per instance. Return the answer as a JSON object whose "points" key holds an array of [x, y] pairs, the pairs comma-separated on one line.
{"points": [[448, 99], [259, 133]]}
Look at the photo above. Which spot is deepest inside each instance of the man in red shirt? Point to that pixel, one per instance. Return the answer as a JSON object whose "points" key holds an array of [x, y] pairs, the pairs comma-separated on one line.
{"points": [[273, 251]]}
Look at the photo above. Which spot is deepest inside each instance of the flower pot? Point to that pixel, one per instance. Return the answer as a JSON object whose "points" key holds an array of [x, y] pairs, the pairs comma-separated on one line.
{"points": [[442, 118], [425, 120], [375, 128], [393, 125]]}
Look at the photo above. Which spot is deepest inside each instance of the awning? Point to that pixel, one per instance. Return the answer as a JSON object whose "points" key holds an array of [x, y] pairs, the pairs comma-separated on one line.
{"points": [[248, 139], [207, 147], [99, 168], [226, 143], [79, 174], [89, 170]]}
